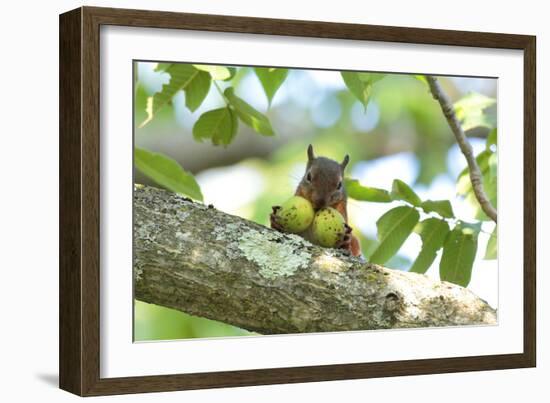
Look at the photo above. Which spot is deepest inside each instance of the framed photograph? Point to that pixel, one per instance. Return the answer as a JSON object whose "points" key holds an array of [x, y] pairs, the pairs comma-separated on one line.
{"points": [[249, 201]]}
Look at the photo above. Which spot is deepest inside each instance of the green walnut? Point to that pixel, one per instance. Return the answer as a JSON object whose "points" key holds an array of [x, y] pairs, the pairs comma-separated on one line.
{"points": [[329, 227], [295, 215]]}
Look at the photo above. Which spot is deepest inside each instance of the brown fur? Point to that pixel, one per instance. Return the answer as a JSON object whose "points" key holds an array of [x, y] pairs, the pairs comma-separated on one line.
{"points": [[322, 186]]}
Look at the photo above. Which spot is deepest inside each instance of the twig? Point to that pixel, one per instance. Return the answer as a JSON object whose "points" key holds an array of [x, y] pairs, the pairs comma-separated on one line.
{"points": [[475, 173]]}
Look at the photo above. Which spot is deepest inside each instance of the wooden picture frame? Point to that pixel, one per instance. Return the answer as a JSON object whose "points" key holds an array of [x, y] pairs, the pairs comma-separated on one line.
{"points": [[79, 346]]}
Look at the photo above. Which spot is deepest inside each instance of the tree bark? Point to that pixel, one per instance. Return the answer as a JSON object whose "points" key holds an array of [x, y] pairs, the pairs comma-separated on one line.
{"points": [[196, 259]]}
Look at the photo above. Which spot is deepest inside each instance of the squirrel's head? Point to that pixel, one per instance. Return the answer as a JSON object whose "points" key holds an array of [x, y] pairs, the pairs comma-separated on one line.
{"points": [[323, 181]]}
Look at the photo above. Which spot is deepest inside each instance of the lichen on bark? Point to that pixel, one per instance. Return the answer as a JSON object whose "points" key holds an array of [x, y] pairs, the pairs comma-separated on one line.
{"points": [[273, 259]]}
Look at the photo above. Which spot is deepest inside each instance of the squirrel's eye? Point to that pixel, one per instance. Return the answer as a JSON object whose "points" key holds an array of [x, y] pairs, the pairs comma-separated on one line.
{"points": [[339, 186], [308, 177]]}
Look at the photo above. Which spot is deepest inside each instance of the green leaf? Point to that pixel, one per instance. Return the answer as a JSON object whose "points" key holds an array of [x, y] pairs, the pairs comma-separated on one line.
{"points": [[487, 162], [162, 66], [167, 173], [491, 139], [492, 162], [464, 185], [197, 90], [218, 125], [472, 111], [271, 79], [232, 72], [182, 76], [401, 191], [433, 232], [360, 84], [216, 72], [250, 116], [393, 229], [441, 207], [492, 245], [421, 78], [363, 193], [140, 103], [459, 252]]}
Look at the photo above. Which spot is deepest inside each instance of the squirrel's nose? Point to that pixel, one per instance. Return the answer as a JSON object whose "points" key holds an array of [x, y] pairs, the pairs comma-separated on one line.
{"points": [[319, 202]]}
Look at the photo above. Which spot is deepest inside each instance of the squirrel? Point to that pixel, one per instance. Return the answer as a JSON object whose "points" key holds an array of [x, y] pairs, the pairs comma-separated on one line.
{"points": [[322, 185]]}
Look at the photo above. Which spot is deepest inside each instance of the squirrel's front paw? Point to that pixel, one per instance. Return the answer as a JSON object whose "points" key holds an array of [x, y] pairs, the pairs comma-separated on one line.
{"points": [[345, 242], [273, 218]]}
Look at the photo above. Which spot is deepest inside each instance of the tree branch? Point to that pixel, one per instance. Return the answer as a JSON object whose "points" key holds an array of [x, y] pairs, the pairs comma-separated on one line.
{"points": [[199, 260], [475, 173]]}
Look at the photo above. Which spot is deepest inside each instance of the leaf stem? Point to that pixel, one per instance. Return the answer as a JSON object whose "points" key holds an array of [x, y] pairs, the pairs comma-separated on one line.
{"points": [[221, 92]]}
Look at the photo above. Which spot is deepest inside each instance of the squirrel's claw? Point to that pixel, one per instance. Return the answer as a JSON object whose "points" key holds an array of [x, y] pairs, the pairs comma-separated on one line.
{"points": [[345, 242], [273, 218]]}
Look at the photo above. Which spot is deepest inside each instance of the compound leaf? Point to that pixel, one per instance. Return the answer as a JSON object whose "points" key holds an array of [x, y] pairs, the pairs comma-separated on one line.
{"points": [[433, 232], [441, 207], [216, 72], [492, 246], [250, 116], [459, 252], [473, 110], [271, 79], [394, 227], [167, 173], [401, 191], [218, 125], [360, 84], [182, 76], [364, 193]]}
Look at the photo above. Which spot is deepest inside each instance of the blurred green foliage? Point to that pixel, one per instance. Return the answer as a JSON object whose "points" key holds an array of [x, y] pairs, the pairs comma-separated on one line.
{"points": [[154, 322]]}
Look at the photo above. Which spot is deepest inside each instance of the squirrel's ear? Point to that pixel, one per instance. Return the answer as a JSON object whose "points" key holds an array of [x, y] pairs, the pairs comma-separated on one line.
{"points": [[310, 154], [344, 163]]}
